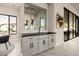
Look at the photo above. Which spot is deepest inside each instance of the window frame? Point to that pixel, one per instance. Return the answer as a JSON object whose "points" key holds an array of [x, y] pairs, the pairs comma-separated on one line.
{"points": [[10, 23]]}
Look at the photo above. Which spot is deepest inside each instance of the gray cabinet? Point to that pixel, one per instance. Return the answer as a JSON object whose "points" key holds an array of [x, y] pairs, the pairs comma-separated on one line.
{"points": [[43, 42], [29, 46], [35, 44], [51, 41]]}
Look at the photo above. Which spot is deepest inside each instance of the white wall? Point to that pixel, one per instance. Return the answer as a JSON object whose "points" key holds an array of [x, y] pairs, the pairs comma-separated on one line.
{"points": [[59, 8]]}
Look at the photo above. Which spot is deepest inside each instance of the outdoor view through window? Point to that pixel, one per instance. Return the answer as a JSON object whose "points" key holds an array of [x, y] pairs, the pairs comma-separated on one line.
{"points": [[3, 24], [7, 24]]}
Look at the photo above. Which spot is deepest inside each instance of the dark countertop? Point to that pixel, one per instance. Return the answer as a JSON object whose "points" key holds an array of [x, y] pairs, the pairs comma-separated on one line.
{"points": [[35, 34]]}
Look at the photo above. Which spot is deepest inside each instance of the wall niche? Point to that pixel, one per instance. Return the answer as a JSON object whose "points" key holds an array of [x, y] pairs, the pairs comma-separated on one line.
{"points": [[35, 17]]}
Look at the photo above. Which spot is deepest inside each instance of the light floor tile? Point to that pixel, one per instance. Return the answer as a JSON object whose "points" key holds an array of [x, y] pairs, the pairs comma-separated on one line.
{"points": [[69, 48]]}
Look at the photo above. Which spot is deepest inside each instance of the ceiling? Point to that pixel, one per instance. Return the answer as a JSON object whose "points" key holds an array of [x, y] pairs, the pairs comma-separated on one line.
{"points": [[75, 5], [13, 5]]}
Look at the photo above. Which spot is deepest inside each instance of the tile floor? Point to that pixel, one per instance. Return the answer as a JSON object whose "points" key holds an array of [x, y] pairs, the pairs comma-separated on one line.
{"points": [[69, 48], [3, 49], [17, 49]]}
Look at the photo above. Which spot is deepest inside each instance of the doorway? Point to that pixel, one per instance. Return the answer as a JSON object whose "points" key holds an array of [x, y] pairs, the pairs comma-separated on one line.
{"points": [[71, 27]]}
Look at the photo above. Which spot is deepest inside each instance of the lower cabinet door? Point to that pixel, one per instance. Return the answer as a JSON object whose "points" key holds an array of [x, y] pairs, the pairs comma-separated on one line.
{"points": [[43, 44], [30, 48], [35, 47], [26, 48], [51, 42]]}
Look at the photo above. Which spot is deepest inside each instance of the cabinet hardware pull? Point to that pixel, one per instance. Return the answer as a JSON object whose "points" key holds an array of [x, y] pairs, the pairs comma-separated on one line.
{"points": [[30, 38], [30, 45], [52, 35], [52, 40], [43, 42]]}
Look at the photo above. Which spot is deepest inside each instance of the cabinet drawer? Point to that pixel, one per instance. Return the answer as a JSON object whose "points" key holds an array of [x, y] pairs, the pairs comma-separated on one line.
{"points": [[43, 45], [51, 35], [43, 37], [31, 38]]}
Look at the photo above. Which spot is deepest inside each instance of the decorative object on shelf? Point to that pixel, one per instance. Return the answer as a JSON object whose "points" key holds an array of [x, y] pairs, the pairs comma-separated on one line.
{"points": [[32, 24], [26, 22], [59, 20], [26, 25], [31, 10], [32, 21]]}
